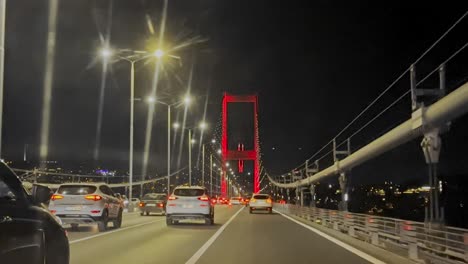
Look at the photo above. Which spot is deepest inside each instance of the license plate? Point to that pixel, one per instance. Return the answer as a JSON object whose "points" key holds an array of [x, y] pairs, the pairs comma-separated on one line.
{"points": [[187, 206], [73, 208], [151, 205]]}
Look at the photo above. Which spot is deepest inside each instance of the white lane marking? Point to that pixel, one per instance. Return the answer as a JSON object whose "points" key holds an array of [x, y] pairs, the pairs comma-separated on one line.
{"points": [[354, 250], [113, 231], [210, 241]]}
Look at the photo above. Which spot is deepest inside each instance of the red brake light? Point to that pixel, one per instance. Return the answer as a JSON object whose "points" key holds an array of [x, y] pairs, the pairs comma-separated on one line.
{"points": [[95, 211], [268, 200], [203, 198], [93, 197], [160, 205], [141, 204], [56, 197], [53, 211], [172, 197]]}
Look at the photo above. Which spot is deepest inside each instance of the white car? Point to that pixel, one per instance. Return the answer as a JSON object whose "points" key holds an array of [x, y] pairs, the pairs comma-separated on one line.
{"points": [[261, 202], [189, 203], [235, 200], [87, 203]]}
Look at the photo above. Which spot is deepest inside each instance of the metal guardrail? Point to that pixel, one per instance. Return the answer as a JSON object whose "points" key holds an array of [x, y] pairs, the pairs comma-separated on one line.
{"points": [[434, 242]]}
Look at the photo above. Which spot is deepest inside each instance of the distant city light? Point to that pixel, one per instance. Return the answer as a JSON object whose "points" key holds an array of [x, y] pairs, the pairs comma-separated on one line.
{"points": [[213, 141], [329, 186], [176, 125], [219, 151]]}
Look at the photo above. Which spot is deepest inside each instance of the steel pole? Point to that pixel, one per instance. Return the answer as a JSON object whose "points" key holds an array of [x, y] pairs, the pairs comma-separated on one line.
{"points": [[203, 165], [132, 105], [168, 150], [211, 174], [2, 63], [190, 156]]}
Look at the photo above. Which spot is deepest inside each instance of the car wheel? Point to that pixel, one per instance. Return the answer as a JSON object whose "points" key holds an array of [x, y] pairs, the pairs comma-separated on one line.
{"points": [[250, 210], [74, 227], [58, 252], [118, 222], [102, 225], [168, 221], [147, 213], [142, 214], [270, 210]]}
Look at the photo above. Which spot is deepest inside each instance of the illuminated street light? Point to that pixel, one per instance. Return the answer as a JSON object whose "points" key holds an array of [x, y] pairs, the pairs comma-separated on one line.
{"points": [[193, 141], [151, 99], [219, 151], [248, 173], [187, 100], [227, 164], [158, 53], [214, 165], [213, 141], [203, 125], [176, 125], [105, 53]]}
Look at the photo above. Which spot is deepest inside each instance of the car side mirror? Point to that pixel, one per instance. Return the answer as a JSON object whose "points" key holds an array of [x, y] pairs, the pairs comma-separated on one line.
{"points": [[41, 194]]}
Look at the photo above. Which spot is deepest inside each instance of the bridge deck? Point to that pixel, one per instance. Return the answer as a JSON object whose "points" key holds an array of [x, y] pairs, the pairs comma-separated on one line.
{"points": [[257, 238]]}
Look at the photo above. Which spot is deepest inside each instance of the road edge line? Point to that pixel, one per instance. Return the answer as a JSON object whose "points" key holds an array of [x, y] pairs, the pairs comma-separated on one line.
{"points": [[112, 231], [210, 241], [350, 248]]}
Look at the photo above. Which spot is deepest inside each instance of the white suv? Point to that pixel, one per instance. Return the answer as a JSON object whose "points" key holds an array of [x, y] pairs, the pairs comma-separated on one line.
{"points": [[189, 203], [86, 203], [260, 202]]}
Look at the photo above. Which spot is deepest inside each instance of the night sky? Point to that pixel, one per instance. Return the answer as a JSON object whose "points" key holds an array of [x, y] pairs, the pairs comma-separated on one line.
{"points": [[313, 66]]}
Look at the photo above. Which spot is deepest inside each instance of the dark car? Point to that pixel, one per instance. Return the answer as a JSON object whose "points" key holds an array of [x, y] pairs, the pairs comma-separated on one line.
{"points": [[153, 203], [28, 232]]}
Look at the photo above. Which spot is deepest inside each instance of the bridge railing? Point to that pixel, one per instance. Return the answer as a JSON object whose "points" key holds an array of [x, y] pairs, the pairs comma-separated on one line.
{"points": [[418, 240]]}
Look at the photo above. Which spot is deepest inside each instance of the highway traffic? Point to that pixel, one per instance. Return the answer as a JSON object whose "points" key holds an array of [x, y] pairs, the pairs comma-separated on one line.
{"points": [[236, 237]]}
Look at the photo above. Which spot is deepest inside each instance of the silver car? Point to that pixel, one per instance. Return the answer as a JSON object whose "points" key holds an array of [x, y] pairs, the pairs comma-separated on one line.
{"points": [[87, 203]]}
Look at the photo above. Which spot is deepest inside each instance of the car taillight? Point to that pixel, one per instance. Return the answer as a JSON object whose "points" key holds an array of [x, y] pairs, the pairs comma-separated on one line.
{"points": [[160, 205], [172, 197], [203, 198], [253, 200], [53, 211], [56, 197], [95, 211], [268, 200], [93, 197], [141, 204]]}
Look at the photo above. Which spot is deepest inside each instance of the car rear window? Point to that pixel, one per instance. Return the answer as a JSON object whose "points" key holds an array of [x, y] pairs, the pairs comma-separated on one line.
{"points": [[189, 192], [76, 189], [151, 196], [261, 197]]}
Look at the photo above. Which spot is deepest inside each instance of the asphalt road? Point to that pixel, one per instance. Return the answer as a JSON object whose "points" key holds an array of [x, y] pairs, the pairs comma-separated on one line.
{"points": [[247, 238]]}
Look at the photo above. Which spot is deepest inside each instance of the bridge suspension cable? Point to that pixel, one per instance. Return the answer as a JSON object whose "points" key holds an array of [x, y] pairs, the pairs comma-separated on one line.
{"points": [[388, 88]]}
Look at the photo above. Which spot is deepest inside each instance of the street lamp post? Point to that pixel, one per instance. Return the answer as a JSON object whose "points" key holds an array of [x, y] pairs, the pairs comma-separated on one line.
{"points": [[203, 165], [186, 101], [190, 155], [168, 150], [106, 53], [211, 174], [132, 107]]}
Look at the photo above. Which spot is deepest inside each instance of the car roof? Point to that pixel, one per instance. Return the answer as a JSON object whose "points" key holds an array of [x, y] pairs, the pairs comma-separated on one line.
{"points": [[97, 184], [190, 187], [156, 194]]}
